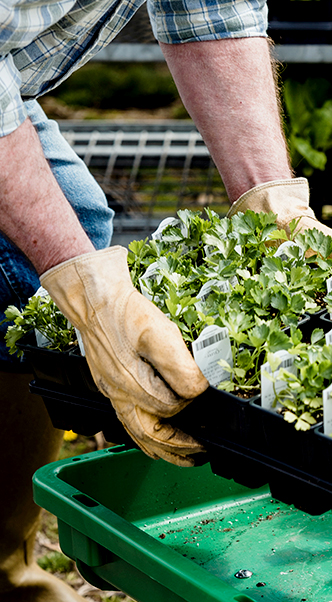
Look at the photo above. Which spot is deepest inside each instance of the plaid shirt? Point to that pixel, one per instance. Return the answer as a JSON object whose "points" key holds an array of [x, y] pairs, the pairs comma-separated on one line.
{"points": [[43, 42]]}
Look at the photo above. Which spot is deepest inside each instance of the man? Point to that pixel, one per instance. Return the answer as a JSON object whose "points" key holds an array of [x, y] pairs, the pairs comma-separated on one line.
{"points": [[54, 219]]}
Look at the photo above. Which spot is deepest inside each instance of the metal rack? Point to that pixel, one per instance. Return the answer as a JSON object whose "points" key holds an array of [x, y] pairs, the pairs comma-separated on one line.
{"points": [[148, 170]]}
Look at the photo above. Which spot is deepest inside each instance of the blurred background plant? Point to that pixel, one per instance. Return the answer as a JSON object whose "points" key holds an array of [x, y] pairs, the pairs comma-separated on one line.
{"points": [[308, 124]]}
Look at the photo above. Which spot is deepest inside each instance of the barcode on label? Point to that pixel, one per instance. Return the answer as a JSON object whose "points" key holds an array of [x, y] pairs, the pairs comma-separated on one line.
{"points": [[220, 336], [205, 297], [287, 363]]}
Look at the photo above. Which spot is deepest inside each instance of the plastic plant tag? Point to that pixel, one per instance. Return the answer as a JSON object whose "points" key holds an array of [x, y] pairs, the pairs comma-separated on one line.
{"points": [[151, 273], [267, 386], [41, 340], [328, 338], [282, 250], [222, 285], [41, 292], [327, 410], [169, 221], [329, 288], [80, 342], [212, 345]]}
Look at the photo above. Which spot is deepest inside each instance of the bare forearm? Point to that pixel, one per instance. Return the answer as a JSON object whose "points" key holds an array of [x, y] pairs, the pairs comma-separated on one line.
{"points": [[228, 88], [34, 213]]}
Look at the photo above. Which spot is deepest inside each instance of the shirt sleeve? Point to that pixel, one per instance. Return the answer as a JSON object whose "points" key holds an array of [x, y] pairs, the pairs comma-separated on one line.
{"points": [[12, 110], [178, 21]]}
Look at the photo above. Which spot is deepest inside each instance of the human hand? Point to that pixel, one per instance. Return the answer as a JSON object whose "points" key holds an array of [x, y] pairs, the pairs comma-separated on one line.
{"points": [[136, 355]]}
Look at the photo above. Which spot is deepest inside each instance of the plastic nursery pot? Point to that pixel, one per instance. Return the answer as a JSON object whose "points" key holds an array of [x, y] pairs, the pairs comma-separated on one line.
{"points": [[322, 456], [304, 324], [78, 373], [222, 422], [85, 415], [325, 322], [316, 321], [282, 441], [218, 414], [47, 364], [66, 368], [290, 455]]}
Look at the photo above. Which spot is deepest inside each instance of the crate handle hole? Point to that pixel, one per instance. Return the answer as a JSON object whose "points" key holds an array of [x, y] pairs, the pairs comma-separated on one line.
{"points": [[85, 500], [76, 459], [242, 598]]}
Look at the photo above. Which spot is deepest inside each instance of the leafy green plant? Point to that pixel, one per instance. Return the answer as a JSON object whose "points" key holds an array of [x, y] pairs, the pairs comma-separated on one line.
{"points": [[253, 292], [301, 399], [228, 273], [42, 314]]}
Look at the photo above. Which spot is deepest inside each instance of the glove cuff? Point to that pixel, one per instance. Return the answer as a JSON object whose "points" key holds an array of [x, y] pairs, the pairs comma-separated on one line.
{"points": [[78, 286], [288, 199], [117, 252]]}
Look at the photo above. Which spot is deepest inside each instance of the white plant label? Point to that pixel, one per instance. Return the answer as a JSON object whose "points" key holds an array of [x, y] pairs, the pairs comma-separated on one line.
{"points": [[41, 292], [80, 342], [282, 250], [41, 340], [222, 285], [151, 273], [329, 288], [268, 396], [169, 221], [327, 410], [212, 345], [328, 338]]}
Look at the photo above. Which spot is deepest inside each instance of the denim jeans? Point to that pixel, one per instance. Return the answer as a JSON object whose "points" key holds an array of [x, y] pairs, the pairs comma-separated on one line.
{"points": [[18, 278]]}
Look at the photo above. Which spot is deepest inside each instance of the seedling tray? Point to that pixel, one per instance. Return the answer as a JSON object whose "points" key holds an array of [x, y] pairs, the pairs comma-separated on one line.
{"points": [[258, 447], [168, 534], [84, 415], [64, 368]]}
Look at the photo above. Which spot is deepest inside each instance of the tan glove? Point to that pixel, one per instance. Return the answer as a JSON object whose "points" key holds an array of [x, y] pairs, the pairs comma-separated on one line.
{"points": [[288, 199], [136, 355]]}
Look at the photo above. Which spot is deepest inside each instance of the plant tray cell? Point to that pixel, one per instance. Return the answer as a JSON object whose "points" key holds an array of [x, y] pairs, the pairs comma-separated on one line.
{"points": [[325, 322], [82, 414], [68, 369], [160, 532]]}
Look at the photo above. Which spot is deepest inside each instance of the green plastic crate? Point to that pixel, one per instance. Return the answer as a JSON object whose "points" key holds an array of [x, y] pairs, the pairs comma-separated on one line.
{"points": [[166, 534]]}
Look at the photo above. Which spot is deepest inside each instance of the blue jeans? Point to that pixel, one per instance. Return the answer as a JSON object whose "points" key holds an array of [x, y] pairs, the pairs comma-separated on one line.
{"points": [[18, 278]]}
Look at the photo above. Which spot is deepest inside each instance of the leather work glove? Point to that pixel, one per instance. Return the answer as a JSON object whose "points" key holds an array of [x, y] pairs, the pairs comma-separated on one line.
{"points": [[136, 355], [288, 199]]}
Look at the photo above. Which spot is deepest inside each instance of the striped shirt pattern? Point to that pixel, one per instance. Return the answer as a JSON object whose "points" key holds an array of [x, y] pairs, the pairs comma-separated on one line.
{"points": [[43, 41]]}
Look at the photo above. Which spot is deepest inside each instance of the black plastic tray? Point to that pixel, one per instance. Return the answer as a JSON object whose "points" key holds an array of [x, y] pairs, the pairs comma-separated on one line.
{"points": [[85, 415], [67, 369], [244, 442]]}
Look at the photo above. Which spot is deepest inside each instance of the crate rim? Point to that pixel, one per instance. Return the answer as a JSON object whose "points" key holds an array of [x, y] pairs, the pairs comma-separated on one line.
{"points": [[184, 571]]}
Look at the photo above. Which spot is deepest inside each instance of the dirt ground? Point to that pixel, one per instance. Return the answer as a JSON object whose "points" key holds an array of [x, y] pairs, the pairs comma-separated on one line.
{"points": [[47, 549]]}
